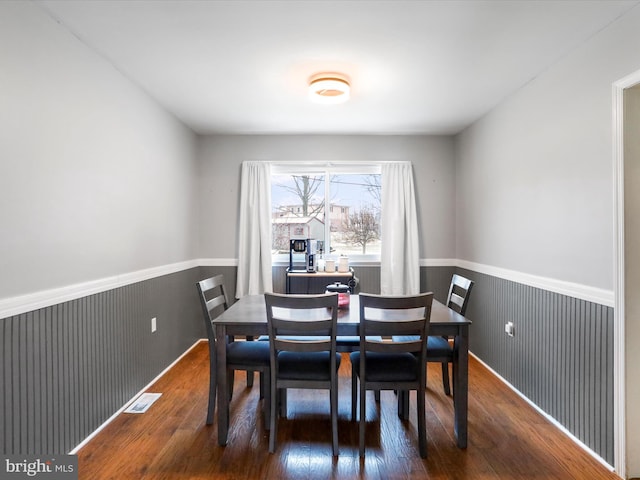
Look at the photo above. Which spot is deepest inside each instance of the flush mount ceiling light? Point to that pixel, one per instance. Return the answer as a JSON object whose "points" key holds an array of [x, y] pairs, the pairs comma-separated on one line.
{"points": [[329, 88]]}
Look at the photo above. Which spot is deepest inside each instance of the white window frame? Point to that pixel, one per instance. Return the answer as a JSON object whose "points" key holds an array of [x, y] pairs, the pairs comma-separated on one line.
{"points": [[327, 168]]}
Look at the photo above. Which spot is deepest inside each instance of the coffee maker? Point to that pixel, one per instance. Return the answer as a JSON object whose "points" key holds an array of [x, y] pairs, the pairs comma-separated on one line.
{"points": [[310, 248]]}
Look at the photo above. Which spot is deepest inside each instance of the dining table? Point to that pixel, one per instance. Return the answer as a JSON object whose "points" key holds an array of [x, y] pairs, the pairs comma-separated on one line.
{"points": [[248, 317]]}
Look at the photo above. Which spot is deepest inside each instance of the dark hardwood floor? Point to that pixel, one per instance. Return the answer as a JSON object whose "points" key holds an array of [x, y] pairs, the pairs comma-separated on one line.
{"points": [[507, 438]]}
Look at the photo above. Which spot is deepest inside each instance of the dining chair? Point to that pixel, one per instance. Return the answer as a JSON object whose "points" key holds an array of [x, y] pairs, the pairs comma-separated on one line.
{"points": [[302, 342], [241, 355], [392, 365], [439, 349]]}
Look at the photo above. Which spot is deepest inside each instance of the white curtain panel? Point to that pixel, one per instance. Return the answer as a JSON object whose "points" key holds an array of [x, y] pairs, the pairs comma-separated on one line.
{"points": [[254, 250], [400, 256]]}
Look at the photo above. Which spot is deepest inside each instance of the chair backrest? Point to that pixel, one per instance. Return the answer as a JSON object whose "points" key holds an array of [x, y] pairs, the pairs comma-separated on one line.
{"points": [[382, 316], [213, 300], [302, 323], [459, 293]]}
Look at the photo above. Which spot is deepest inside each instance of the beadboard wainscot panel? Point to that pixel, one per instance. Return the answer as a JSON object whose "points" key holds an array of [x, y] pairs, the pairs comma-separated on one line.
{"points": [[226, 267], [368, 278], [560, 357], [437, 279], [67, 367], [279, 273]]}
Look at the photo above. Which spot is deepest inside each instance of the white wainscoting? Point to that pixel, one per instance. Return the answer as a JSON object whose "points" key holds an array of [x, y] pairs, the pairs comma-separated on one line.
{"points": [[33, 301]]}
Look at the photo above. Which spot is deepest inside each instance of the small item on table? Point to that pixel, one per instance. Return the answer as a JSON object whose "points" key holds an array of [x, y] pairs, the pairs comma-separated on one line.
{"points": [[344, 293]]}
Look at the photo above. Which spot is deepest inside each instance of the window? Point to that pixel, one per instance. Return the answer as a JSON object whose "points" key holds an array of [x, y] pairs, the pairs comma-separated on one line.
{"points": [[338, 204]]}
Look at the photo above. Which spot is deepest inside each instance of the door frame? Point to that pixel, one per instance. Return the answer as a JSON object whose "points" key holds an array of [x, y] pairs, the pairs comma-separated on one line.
{"points": [[620, 442]]}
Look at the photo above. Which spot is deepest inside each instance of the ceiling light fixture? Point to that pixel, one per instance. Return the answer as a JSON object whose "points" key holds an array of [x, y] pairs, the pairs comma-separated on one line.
{"points": [[329, 88]]}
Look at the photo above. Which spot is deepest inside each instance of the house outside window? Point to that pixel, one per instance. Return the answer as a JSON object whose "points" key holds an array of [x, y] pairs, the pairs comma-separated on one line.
{"points": [[337, 204]]}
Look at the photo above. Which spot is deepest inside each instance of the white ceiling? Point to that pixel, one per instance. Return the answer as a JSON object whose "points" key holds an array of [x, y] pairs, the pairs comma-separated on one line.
{"points": [[415, 66]]}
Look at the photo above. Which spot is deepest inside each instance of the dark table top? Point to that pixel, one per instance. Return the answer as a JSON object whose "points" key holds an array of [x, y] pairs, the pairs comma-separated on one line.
{"points": [[251, 311]]}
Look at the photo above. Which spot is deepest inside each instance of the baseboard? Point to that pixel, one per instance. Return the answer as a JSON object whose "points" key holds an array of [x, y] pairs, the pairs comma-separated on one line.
{"points": [[546, 415], [124, 407]]}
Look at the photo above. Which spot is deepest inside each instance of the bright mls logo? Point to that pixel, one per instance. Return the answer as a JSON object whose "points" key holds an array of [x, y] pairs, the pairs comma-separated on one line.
{"points": [[58, 467]]}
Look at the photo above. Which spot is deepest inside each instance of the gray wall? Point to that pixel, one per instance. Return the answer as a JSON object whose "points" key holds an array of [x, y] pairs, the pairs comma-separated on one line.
{"points": [[221, 157], [67, 368], [96, 180], [534, 177], [560, 358], [534, 194]]}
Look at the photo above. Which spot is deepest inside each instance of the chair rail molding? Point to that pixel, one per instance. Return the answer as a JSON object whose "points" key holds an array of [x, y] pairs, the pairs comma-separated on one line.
{"points": [[218, 262], [570, 289], [33, 301]]}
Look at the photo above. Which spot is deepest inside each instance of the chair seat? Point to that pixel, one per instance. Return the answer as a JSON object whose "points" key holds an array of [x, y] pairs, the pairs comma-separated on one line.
{"points": [[388, 367], [248, 353], [436, 346], [306, 365]]}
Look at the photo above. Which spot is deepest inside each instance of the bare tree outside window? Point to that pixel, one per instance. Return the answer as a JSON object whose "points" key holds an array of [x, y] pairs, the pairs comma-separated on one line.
{"points": [[305, 187], [374, 188], [341, 209], [363, 228]]}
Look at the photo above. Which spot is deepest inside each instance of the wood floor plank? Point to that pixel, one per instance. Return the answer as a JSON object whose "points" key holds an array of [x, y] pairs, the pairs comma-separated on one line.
{"points": [[507, 438]]}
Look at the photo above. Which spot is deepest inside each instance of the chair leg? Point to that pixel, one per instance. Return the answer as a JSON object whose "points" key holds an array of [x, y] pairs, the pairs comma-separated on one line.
{"points": [[376, 395], [422, 423], [273, 417], [403, 404], [282, 402], [231, 376], [249, 378], [334, 414], [354, 393], [265, 385], [262, 386], [212, 393], [363, 416], [453, 380], [445, 378]]}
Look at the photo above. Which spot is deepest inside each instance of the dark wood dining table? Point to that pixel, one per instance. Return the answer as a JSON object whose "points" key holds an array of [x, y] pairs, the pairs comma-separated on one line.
{"points": [[248, 316]]}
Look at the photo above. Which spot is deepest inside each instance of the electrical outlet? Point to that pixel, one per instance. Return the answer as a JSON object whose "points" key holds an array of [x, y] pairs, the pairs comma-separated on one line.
{"points": [[154, 326], [509, 329]]}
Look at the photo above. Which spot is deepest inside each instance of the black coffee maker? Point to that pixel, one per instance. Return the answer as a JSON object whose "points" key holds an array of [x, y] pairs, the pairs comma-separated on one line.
{"points": [[310, 248]]}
